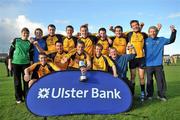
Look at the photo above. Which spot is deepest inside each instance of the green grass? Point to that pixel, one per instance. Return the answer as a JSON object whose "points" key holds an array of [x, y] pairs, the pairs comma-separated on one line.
{"points": [[149, 110]]}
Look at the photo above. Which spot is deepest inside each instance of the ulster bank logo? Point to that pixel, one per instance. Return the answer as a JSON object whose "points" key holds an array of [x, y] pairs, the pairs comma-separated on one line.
{"points": [[63, 93], [43, 93]]}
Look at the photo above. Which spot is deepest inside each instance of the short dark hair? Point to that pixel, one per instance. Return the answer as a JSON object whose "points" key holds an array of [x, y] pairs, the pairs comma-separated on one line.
{"points": [[69, 26], [99, 45], [51, 25], [84, 26], [102, 29], [25, 29], [39, 30], [58, 42], [42, 53], [81, 42], [120, 27], [132, 21]]}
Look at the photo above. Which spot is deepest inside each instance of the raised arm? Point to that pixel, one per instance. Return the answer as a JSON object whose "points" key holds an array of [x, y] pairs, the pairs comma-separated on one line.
{"points": [[141, 25], [111, 29], [159, 26], [173, 34]]}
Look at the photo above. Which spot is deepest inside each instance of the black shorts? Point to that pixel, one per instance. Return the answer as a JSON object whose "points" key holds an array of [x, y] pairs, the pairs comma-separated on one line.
{"points": [[137, 62]]}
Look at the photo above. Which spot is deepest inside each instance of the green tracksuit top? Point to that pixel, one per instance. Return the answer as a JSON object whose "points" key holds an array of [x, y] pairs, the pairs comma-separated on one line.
{"points": [[21, 51]]}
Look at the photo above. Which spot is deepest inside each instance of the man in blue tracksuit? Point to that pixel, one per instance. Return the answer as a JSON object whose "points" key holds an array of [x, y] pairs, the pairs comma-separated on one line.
{"points": [[41, 42], [154, 47], [121, 62]]}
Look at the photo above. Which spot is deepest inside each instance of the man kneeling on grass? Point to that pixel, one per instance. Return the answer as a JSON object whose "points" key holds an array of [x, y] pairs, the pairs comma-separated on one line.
{"points": [[39, 69]]}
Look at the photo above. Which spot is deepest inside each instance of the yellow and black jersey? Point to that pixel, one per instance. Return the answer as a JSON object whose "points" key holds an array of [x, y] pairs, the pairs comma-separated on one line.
{"points": [[51, 40], [105, 44], [89, 44], [101, 63], [69, 43], [137, 40], [39, 70], [57, 57], [120, 44], [75, 58]]}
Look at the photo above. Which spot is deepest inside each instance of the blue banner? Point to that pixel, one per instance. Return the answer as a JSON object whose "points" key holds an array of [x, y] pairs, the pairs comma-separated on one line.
{"points": [[62, 93]]}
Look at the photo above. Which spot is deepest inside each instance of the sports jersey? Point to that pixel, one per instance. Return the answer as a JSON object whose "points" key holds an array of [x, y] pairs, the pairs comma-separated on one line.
{"points": [[105, 45], [101, 63], [137, 40], [56, 58], [120, 44], [75, 58], [40, 70], [51, 40], [21, 51], [69, 43], [89, 44]]}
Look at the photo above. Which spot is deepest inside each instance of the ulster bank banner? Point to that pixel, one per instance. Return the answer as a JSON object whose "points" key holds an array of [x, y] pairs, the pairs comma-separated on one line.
{"points": [[62, 93]]}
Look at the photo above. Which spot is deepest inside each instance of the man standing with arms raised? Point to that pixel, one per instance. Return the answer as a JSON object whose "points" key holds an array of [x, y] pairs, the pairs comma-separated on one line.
{"points": [[154, 47], [136, 38]]}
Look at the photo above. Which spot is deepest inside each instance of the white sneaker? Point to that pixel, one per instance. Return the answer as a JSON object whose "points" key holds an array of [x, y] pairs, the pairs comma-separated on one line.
{"points": [[18, 102], [162, 98], [149, 98]]}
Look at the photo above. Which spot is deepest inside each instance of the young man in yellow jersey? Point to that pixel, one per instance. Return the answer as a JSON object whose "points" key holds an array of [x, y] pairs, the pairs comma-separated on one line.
{"points": [[103, 40], [119, 40], [69, 42], [39, 69], [102, 62], [79, 55], [136, 38], [58, 56], [51, 38], [88, 39]]}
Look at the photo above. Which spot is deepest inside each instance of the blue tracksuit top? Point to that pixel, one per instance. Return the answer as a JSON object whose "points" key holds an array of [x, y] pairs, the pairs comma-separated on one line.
{"points": [[154, 49], [121, 63], [42, 44]]}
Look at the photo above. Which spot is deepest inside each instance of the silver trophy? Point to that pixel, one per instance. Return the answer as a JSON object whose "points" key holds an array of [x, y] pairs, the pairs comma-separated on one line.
{"points": [[83, 74]]}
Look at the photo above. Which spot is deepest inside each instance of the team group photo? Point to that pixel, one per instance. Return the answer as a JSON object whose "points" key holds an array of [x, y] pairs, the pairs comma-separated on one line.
{"points": [[123, 68]]}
